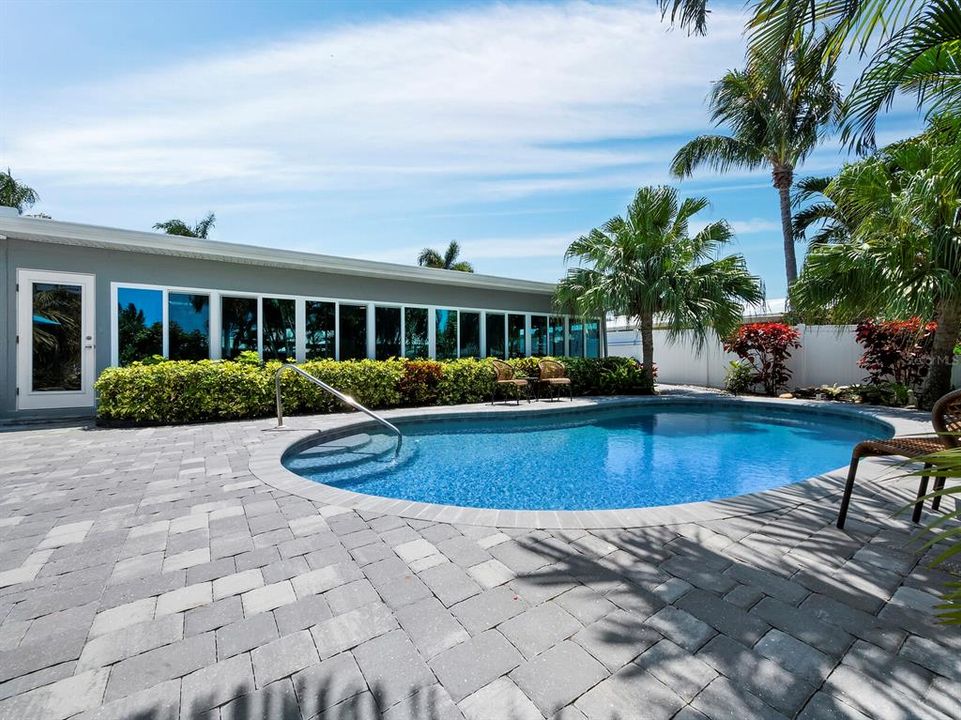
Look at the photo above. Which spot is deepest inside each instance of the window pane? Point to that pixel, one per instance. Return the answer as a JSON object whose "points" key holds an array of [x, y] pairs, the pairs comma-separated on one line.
{"points": [[592, 329], [416, 343], [446, 336], [387, 332], [188, 321], [495, 335], [353, 332], [57, 329], [538, 335], [320, 329], [469, 334], [515, 336], [239, 318], [577, 338], [279, 329], [140, 324], [557, 337]]}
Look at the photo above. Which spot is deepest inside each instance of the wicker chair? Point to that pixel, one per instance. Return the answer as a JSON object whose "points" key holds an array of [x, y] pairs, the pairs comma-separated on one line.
{"points": [[553, 375], [505, 379], [946, 419]]}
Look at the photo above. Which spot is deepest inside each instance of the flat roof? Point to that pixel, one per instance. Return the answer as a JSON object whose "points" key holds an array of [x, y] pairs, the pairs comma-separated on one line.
{"points": [[96, 236]]}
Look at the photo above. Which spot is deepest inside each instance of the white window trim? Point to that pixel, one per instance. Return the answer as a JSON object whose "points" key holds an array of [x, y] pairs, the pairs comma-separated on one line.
{"points": [[215, 324]]}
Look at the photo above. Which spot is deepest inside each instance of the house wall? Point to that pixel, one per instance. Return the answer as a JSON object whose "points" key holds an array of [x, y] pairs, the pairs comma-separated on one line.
{"points": [[112, 266]]}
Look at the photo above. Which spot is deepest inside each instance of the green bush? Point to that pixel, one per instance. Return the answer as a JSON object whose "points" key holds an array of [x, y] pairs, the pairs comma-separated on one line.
{"points": [[739, 377], [186, 391]]}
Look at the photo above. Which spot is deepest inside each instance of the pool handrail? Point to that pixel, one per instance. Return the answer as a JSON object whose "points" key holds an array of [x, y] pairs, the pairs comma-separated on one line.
{"points": [[347, 399]]}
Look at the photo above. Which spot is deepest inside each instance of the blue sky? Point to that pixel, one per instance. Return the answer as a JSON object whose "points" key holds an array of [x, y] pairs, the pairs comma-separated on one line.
{"points": [[373, 129]]}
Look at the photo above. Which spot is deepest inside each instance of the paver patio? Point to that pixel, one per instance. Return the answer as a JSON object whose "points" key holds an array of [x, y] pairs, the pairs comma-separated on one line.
{"points": [[146, 573]]}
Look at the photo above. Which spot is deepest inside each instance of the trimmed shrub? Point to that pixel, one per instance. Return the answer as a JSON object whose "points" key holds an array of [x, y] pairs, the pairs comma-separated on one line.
{"points": [[420, 383], [767, 347], [170, 391], [897, 351]]}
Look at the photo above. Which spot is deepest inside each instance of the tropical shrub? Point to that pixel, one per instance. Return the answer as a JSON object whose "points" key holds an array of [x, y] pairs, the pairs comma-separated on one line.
{"points": [[420, 383], [739, 377], [896, 351], [168, 392], [766, 347]]}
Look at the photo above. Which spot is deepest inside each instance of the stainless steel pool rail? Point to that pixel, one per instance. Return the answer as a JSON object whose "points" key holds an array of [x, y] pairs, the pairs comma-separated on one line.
{"points": [[347, 399]]}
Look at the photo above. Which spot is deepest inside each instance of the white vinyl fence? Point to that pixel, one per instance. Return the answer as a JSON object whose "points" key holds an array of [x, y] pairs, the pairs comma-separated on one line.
{"points": [[828, 356]]}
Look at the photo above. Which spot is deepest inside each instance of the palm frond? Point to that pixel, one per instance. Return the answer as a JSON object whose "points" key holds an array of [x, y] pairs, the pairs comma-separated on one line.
{"points": [[429, 257], [718, 152], [691, 15], [15, 193], [923, 58]]}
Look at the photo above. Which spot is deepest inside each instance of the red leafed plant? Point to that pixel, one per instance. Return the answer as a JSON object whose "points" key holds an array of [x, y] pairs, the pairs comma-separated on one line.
{"points": [[766, 346], [895, 350]]}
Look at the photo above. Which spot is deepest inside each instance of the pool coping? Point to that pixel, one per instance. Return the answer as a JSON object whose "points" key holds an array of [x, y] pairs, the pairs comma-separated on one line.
{"points": [[266, 464]]}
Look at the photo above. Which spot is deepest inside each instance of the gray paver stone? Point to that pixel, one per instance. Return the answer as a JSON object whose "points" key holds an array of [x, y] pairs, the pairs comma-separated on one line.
{"points": [[245, 635], [488, 609], [537, 629], [282, 657], [431, 626], [216, 684], [327, 684], [450, 583], [556, 677], [678, 669], [629, 693], [393, 668], [469, 666], [163, 663], [762, 677], [350, 629]]}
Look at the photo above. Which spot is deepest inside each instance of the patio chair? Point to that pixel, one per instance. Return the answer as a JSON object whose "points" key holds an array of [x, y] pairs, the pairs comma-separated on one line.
{"points": [[946, 419], [553, 375], [505, 379]]}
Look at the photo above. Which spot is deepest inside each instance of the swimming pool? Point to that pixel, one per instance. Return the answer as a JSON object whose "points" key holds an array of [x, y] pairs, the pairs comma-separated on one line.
{"points": [[591, 459]]}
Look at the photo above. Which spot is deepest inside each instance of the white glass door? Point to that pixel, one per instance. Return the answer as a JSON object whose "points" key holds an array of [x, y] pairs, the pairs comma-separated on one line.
{"points": [[56, 353]]}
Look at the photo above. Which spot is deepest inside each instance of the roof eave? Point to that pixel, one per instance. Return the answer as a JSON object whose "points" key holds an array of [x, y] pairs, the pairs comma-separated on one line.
{"points": [[65, 233]]}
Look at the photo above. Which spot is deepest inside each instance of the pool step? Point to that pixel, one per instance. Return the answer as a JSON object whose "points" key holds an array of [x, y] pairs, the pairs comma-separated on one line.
{"points": [[349, 443], [353, 450]]}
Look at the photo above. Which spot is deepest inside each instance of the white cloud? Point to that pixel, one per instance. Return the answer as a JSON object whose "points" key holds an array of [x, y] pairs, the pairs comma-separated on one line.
{"points": [[524, 247], [502, 100]]}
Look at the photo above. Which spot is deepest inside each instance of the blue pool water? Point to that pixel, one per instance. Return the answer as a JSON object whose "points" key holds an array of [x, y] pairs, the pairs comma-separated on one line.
{"points": [[593, 459]]}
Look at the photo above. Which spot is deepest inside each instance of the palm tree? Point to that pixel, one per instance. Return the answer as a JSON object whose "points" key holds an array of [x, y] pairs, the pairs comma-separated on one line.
{"points": [[200, 229], [904, 257], [448, 261], [918, 48], [648, 267], [777, 112], [15, 194]]}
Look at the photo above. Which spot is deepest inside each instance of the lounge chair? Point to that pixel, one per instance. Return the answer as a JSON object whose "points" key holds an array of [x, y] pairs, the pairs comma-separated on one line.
{"points": [[946, 419], [505, 379], [553, 375]]}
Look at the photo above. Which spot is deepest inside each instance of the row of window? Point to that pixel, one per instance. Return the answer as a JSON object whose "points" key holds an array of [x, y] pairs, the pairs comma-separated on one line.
{"points": [[194, 326]]}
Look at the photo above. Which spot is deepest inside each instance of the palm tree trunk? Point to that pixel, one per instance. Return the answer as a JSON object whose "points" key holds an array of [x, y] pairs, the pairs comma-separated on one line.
{"points": [[647, 347], [783, 179], [938, 380]]}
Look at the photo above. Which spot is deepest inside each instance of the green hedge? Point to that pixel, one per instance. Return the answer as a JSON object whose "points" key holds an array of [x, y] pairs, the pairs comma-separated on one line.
{"points": [[187, 391]]}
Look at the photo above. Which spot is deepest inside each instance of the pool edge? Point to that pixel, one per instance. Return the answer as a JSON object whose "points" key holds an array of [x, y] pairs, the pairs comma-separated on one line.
{"points": [[266, 464]]}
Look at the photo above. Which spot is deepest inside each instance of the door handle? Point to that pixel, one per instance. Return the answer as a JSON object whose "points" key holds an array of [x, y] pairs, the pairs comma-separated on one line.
{"points": [[89, 347]]}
